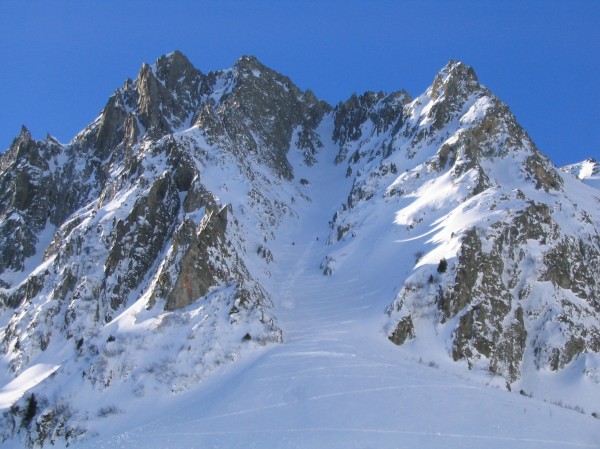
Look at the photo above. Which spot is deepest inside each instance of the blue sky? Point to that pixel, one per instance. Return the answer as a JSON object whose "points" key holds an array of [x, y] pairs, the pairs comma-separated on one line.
{"points": [[62, 60]]}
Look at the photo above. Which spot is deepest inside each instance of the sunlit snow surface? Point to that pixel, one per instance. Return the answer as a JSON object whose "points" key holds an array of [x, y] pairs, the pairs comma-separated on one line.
{"points": [[336, 381], [588, 171], [12, 391]]}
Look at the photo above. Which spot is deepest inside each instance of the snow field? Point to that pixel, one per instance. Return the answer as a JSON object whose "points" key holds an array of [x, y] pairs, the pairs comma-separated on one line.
{"points": [[336, 381]]}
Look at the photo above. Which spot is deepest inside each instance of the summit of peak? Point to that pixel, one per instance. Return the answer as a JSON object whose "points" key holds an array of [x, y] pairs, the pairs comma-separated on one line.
{"points": [[459, 69], [248, 60], [173, 67], [584, 169], [456, 76], [25, 132], [174, 55], [252, 74], [173, 59], [23, 136], [168, 68], [145, 71], [248, 63]]}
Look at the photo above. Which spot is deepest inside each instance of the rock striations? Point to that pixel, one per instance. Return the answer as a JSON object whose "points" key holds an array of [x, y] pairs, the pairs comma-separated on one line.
{"points": [[142, 250]]}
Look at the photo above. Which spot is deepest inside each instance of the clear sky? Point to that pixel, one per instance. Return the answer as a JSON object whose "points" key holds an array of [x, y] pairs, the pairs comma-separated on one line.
{"points": [[61, 60]]}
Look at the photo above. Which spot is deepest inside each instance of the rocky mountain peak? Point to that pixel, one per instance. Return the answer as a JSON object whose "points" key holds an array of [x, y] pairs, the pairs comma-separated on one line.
{"points": [[175, 69], [260, 108], [23, 137], [25, 148], [455, 79], [162, 98], [249, 63], [351, 114], [24, 134], [251, 75]]}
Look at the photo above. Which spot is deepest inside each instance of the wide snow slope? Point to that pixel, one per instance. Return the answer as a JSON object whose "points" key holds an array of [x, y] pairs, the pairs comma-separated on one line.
{"points": [[336, 381]]}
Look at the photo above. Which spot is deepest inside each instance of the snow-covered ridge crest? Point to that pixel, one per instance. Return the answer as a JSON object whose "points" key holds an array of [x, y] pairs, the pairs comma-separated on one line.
{"points": [[588, 171], [182, 230]]}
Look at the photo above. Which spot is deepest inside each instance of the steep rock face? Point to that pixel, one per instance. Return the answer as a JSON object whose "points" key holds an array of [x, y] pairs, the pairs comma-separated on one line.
{"points": [[23, 193], [259, 110], [42, 183], [160, 100], [361, 117], [138, 239], [499, 303]]}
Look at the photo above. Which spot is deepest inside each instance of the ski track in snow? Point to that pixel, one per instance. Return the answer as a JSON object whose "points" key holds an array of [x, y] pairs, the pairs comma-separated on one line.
{"points": [[383, 431]]}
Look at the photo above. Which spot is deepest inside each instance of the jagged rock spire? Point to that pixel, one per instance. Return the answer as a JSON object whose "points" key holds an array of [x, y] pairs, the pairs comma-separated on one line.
{"points": [[456, 78], [175, 68]]}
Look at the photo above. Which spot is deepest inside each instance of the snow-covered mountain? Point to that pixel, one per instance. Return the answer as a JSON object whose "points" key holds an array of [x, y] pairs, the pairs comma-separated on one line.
{"points": [[211, 237], [588, 171]]}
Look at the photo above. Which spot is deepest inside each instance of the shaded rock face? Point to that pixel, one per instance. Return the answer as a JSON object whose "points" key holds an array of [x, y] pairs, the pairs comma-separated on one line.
{"points": [[139, 238], [202, 258], [38, 192], [487, 327], [361, 117], [195, 278], [449, 91], [259, 111], [24, 199]]}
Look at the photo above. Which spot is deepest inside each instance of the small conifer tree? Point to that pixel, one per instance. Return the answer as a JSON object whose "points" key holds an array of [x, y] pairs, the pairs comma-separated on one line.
{"points": [[442, 266], [30, 411]]}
